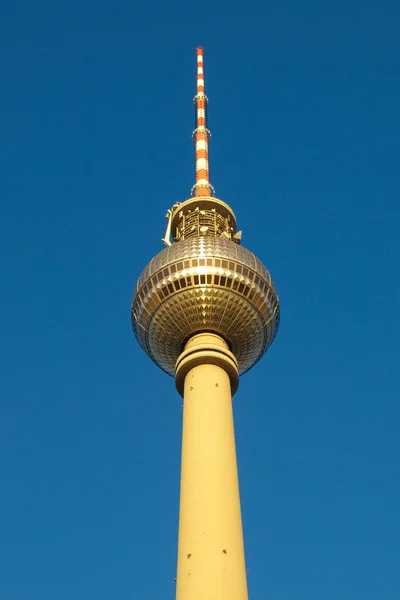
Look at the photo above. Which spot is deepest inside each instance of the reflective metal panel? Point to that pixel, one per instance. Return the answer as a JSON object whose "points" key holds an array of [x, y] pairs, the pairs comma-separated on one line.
{"points": [[205, 284]]}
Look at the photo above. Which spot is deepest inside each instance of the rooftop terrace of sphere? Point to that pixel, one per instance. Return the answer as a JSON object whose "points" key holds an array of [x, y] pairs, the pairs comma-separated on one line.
{"points": [[203, 216]]}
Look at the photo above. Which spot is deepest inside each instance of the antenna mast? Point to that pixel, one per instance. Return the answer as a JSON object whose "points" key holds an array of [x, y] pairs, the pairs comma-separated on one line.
{"points": [[201, 135]]}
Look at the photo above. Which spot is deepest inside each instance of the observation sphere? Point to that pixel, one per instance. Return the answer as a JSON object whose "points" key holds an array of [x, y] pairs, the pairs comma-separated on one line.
{"points": [[205, 284]]}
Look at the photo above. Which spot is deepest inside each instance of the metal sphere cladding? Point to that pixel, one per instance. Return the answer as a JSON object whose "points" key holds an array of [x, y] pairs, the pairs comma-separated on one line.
{"points": [[205, 283]]}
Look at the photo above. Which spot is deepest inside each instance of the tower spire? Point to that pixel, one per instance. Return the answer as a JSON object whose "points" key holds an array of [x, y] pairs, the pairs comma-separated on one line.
{"points": [[201, 135]]}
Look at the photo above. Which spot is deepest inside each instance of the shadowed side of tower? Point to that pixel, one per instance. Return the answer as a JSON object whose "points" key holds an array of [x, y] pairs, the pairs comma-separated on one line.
{"points": [[205, 310]]}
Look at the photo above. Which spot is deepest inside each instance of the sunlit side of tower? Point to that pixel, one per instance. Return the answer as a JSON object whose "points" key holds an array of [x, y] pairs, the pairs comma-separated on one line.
{"points": [[205, 310]]}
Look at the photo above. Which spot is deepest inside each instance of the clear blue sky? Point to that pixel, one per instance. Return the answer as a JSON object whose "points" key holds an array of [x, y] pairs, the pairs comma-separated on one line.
{"points": [[96, 121]]}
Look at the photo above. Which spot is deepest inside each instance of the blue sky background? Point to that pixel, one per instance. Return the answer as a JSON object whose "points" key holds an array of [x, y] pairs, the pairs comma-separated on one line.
{"points": [[95, 144]]}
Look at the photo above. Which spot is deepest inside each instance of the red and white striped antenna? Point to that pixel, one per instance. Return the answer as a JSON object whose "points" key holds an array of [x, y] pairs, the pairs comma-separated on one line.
{"points": [[201, 135]]}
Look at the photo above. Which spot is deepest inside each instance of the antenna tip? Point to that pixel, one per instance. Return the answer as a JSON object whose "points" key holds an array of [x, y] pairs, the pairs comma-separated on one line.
{"points": [[199, 50]]}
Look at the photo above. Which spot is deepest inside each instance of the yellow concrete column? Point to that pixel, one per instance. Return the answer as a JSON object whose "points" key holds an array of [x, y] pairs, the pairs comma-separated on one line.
{"points": [[211, 563]]}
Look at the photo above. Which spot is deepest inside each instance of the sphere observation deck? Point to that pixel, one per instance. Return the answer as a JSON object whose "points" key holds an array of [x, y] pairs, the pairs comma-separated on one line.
{"points": [[205, 282]]}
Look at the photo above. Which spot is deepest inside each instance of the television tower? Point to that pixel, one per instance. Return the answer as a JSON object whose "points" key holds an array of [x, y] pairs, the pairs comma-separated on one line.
{"points": [[205, 310]]}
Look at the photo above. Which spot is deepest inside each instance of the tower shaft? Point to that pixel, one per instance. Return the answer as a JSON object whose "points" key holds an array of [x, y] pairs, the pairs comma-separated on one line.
{"points": [[211, 563]]}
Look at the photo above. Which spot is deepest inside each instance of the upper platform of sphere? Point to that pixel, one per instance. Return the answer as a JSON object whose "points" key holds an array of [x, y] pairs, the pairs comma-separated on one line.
{"points": [[201, 205], [205, 284]]}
